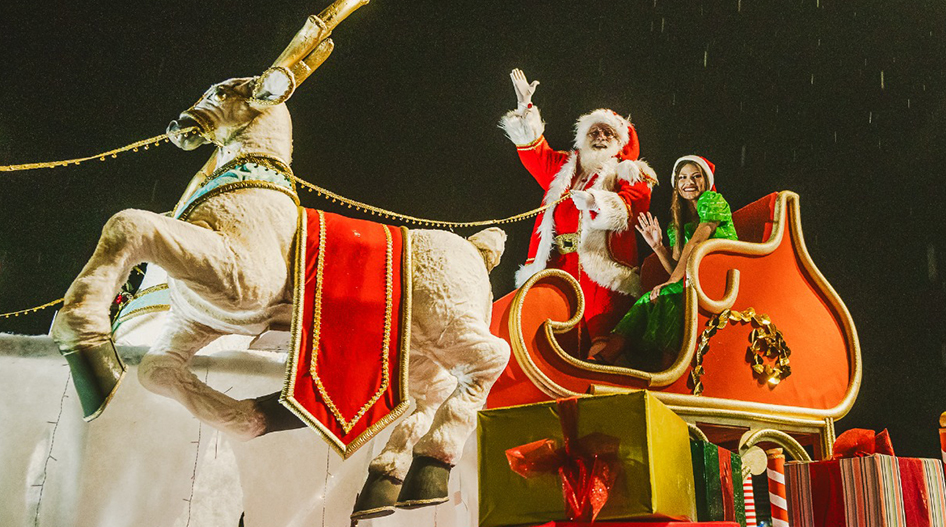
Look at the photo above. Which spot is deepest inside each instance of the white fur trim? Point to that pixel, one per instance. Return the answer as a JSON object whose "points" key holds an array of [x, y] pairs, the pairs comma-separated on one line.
{"points": [[699, 162], [526, 271], [523, 128], [593, 247], [604, 116], [635, 171], [597, 263], [557, 189], [593, 250]]}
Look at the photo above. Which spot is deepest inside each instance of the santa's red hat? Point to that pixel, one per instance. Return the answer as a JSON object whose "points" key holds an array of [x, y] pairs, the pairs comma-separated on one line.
{"points": [[708, 168], [632, 150]]}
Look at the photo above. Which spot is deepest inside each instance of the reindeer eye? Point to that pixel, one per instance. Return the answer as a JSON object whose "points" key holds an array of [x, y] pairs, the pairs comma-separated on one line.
{"points": [[219, 95]]}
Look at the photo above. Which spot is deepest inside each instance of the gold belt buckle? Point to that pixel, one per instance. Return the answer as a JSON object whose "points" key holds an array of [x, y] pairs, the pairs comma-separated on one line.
{"points": [[567, 243]]}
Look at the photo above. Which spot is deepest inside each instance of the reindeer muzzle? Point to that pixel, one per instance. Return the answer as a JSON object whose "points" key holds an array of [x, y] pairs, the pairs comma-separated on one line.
{"points": [[189, 141]]}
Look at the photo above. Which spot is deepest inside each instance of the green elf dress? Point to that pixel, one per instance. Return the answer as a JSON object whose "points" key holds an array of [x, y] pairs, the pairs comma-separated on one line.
{"points": [[654, 330]]}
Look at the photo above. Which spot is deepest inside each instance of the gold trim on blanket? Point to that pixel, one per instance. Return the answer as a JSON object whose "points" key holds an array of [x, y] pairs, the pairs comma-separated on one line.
{"points": [[289, 401], [348, 424]]}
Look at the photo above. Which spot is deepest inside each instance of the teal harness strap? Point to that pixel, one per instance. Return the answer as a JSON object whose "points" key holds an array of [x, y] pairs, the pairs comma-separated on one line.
{"points": [[245, 172]]}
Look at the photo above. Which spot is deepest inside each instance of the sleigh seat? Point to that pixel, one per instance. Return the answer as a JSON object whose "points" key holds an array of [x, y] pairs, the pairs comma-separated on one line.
{"points": [[768, 270]]}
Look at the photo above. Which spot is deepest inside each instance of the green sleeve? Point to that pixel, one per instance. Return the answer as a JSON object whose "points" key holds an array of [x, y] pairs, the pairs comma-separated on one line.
{"points": [[712, 207], [672, 235]]}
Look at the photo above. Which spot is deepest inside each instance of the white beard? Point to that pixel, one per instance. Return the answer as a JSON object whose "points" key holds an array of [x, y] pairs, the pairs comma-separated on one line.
{"points": [[592, 159]]}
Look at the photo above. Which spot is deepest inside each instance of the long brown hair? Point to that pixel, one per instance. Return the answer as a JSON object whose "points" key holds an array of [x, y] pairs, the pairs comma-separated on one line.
{"points": [[683, 211]]}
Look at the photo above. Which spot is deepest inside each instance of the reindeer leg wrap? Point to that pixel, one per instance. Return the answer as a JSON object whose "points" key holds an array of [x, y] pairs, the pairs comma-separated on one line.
{"points": [[96, 372]]}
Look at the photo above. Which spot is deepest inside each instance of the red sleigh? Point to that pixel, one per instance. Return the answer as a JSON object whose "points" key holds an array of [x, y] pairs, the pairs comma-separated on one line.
{"points": [[768, 270]]}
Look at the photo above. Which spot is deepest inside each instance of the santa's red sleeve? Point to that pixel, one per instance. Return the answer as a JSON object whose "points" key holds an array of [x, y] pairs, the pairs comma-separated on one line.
{"points": [[525, 129]]}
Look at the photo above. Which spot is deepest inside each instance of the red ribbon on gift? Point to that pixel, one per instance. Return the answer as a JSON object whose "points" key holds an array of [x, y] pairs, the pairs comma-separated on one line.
{"points": [[587, 466], [727, 484], [858, 442]]}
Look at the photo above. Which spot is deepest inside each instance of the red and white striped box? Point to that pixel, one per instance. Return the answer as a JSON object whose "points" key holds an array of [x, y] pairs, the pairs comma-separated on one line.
{"points": [[871, 491]]}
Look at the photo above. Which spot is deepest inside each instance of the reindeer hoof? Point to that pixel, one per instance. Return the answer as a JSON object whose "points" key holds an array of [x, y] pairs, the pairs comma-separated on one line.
{"points": [[425, 484], [96, 372], [377, 498], [278, 417]]}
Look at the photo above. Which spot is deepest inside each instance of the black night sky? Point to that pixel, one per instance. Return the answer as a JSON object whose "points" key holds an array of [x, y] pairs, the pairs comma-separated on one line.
{"points": [[842, 102]]}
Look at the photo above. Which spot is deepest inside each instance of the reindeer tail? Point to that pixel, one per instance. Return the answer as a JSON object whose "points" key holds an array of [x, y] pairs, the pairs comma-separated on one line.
{"points": [[491, 242]]}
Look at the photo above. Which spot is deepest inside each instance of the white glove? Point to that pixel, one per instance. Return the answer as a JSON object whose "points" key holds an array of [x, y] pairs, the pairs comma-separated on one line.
{"points": [[524, 89], [583, 200]]}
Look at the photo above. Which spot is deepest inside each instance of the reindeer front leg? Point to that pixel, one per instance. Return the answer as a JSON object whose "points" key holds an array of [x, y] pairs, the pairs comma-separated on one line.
{"points": [[199, 257], [82, 330]]}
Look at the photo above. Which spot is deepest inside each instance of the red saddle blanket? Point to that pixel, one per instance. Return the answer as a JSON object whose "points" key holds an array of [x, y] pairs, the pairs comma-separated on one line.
{"points": [[346, 375]]}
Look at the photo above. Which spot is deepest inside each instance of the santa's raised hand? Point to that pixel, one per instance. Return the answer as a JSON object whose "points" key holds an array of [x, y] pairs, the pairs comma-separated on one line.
{"points": [[524, 89]]}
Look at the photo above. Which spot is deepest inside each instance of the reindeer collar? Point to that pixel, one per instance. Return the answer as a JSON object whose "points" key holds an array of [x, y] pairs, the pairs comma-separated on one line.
{"points": [[266, 160]]}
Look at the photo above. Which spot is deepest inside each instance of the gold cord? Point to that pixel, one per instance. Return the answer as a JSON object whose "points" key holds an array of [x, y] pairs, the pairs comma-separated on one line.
{"points": [[384, 213], [144, 143], [30, 310], [319, 191], [327, 194]]}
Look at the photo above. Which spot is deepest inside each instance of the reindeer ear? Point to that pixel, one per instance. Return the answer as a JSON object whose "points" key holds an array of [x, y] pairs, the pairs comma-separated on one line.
{"points": [[274, 86]]}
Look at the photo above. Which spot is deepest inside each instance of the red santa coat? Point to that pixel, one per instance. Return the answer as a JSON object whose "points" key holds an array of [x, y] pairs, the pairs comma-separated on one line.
{"points": [[605, 263]]}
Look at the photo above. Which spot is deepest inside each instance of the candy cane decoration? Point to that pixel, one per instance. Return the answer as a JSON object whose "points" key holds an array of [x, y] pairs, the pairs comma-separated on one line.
{"points": [[777, 495], [749, 495]]}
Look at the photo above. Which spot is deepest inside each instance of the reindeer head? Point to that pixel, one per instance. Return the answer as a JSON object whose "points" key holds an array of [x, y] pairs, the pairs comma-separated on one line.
{"points": [[248, 114], [237, 112]]}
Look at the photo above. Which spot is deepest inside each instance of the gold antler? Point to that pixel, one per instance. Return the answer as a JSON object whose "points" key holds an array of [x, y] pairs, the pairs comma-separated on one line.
{"points": [[304, 54], [309, 48]]}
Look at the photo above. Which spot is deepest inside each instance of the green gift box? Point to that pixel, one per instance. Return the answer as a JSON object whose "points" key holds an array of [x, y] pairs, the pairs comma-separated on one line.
{"points": [[717, 473], [644, 446]]}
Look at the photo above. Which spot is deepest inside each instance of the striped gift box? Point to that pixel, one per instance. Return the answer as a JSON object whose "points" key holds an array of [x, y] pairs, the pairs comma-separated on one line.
{"points": [[872, 491]]}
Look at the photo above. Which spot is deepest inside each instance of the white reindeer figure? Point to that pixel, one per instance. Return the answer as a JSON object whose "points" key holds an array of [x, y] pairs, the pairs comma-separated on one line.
{"points": [[228, 273]]}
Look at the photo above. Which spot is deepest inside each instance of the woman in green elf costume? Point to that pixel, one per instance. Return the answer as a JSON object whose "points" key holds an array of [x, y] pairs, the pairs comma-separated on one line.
{"points": [[649, 336]]}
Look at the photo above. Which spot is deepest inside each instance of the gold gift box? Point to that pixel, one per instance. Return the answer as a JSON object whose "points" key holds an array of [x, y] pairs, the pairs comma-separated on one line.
{"points": [[656, 480]]}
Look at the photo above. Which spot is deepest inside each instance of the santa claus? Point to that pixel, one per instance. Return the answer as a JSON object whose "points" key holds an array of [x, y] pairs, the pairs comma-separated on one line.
{"points": [[589, 235]]}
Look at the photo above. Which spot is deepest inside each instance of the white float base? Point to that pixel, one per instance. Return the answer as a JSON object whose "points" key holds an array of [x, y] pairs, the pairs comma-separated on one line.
{"points": [[147, 462]]}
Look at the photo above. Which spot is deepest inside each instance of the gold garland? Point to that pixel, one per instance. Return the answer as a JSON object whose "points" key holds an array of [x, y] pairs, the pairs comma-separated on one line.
{"points": [[12, 314], [387, 214], [766, 341], [144, 143]]}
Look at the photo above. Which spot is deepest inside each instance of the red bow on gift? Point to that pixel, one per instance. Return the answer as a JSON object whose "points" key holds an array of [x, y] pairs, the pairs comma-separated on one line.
{"points": [[587, 466], [858, 442]]}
